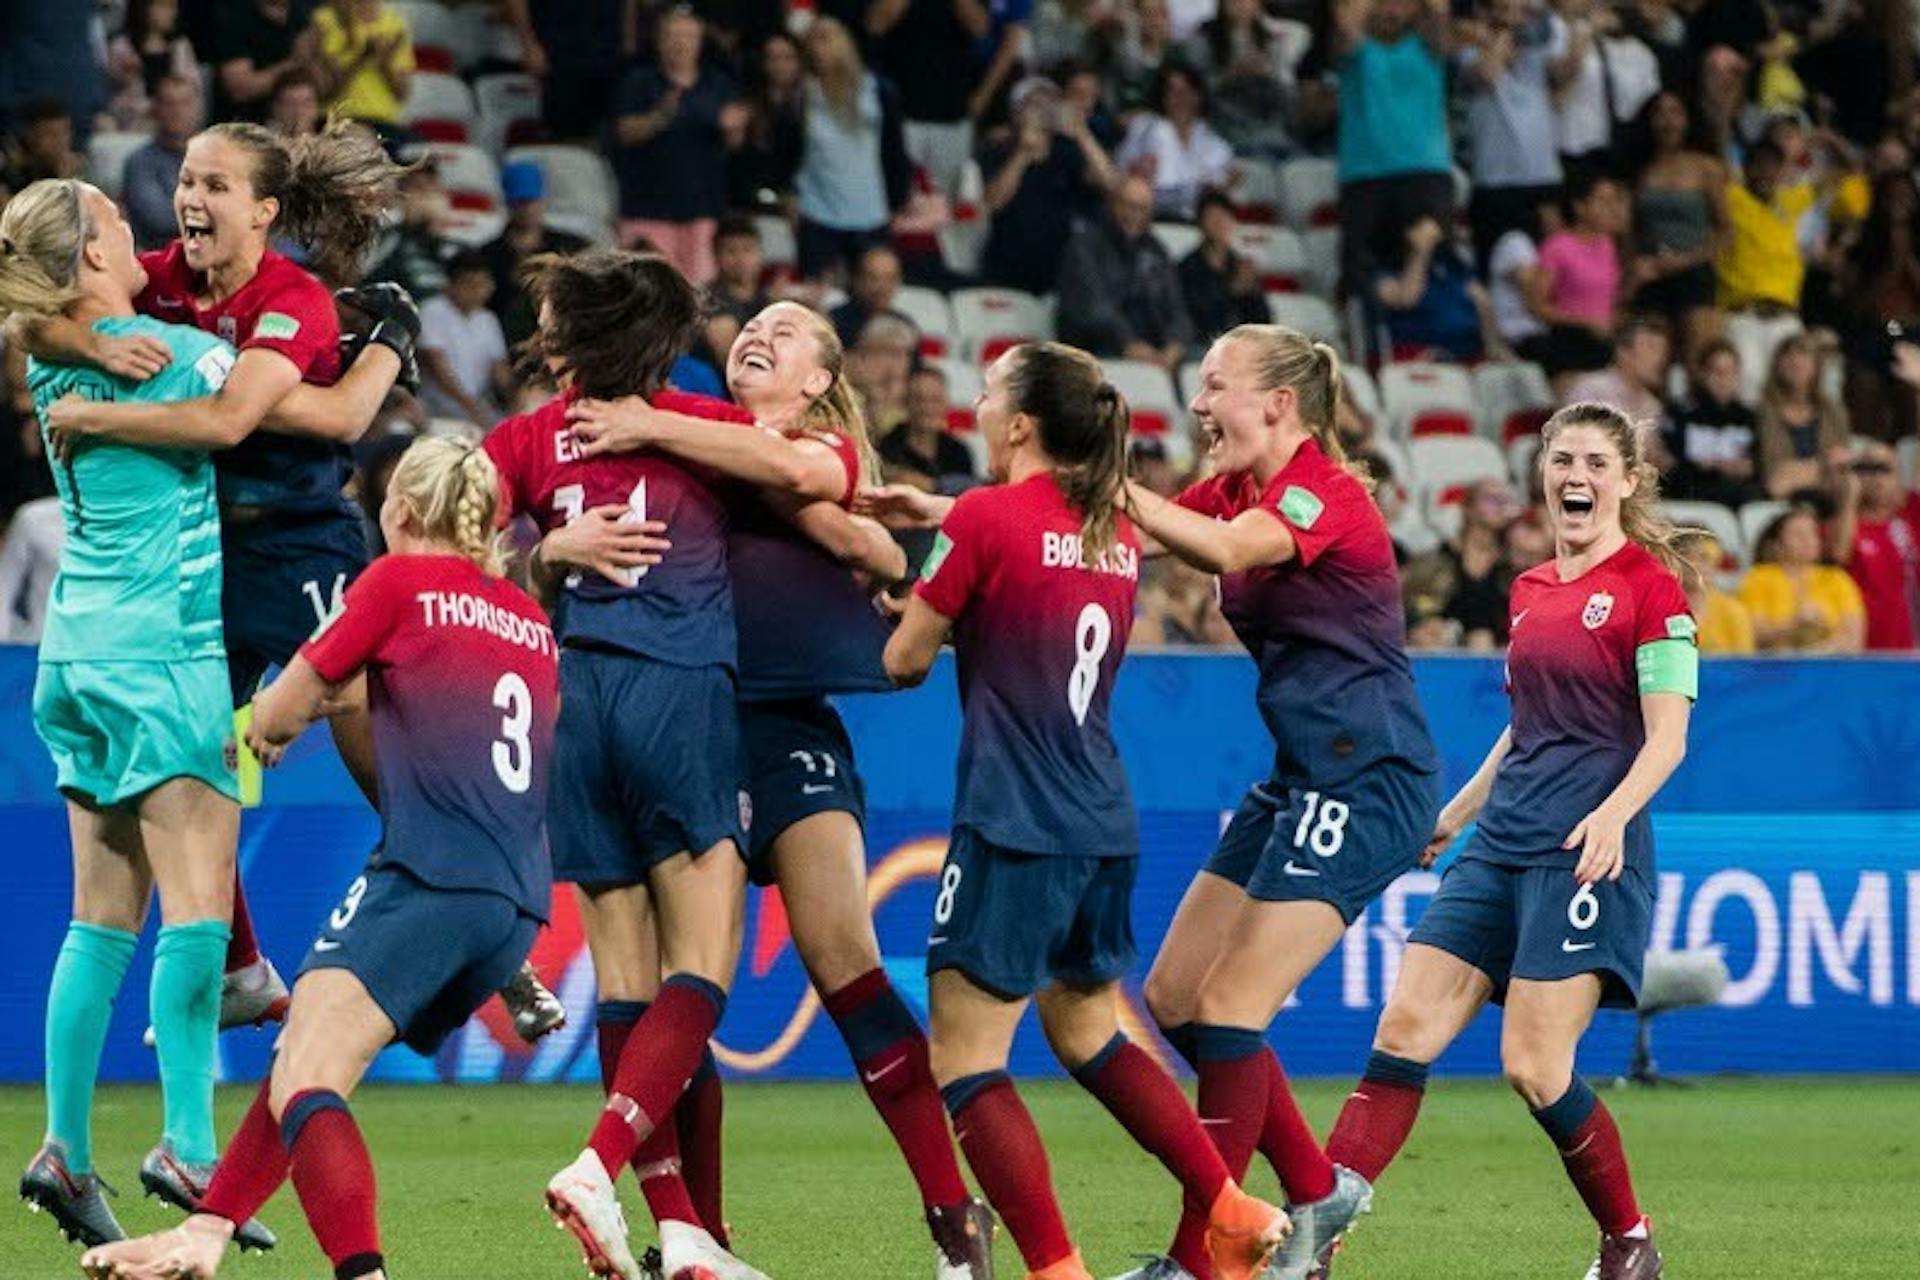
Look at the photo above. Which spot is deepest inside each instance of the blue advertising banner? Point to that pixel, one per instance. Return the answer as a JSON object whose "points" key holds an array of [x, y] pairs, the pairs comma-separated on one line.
{"points": [[1790, 842]]}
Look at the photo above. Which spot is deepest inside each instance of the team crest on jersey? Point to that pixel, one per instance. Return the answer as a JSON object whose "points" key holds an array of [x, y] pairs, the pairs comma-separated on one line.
{"points": [[227, 328], [1599, 609]]}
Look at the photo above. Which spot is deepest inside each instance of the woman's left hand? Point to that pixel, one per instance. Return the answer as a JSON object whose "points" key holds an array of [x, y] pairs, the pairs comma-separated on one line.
{"points": [[614, 426], [1602, 841]]}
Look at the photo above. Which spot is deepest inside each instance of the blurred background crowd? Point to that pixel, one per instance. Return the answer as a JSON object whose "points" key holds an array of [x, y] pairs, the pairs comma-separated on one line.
{"points": [[1701, 210]]}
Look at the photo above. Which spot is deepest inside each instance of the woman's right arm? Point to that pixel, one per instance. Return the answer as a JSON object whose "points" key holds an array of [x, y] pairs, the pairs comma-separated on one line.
{"points": [[257, 382], [1251, 540], [802, 467], [60, 340]]}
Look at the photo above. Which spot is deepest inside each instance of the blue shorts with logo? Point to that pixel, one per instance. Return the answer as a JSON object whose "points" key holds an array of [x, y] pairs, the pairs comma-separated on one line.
{"points": [[429, 957], [1013, 922], [1537, 923], [799, 762], [646, 764], [1343, 845], [281, 578]]}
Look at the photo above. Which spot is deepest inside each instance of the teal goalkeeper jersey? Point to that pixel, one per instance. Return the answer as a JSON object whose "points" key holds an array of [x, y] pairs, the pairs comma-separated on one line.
{"points": [[140, 570]]}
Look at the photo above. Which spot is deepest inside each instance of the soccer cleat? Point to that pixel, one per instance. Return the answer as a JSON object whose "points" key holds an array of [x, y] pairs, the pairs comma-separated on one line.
{"points": [[1242, 1233], [249, 997], [536, 1011], [1627, 1257], [581, 1199], [1157, 1268], [184, 1186], [191, 1251], [688, 1252], [1318, 1224], [1071, 1267], [74, 1200], [650, 1265], [963, 1240]]}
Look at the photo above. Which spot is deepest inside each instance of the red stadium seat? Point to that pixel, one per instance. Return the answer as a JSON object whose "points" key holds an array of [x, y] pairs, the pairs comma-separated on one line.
{"points": [[440, 130], [472, 201], [995, 347], [933, 345], [960, 419], [1441, 422], [1523, 422], [1150, 422], [433, 57]]}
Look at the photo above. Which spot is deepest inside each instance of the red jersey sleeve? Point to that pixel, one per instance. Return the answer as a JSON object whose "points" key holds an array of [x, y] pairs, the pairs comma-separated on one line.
{"points": [[1660, 608], [352, 637], [1317, 510], [1208, 496], [960, 553], [506, 445], [847, 453], [296, 318], [699, 406]]}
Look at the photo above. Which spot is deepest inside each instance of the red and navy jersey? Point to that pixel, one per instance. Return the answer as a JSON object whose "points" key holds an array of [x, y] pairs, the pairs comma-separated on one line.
{"points": [[679, 611], [281, 309], [806, 628], [463, 678], [1573, 678], [1325, 628], [1039, 635]]}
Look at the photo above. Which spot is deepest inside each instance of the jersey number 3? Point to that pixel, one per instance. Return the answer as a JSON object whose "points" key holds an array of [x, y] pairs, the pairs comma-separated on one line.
{"points": [[571, 502], [513, 750]]}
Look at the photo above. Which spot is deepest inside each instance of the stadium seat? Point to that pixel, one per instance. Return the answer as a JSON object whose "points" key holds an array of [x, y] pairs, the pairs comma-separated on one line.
{"points": [[1311, 315], [445, 40], [440, 108], [1754, 519], [1322, 247], [777, 244], [509, 107], [1364, 393], [1717, 520], [1278, 255], [988, 321], [107, 154], [1177, 238], [1755, 338], [1514, 397], [1907, 456], [1310, 192], [1521, 452], [1256, 191], [1395, 457], [963, 380], [472, 183], [1423, 398], [1149, 393], [1187, 379], [581, 195], [928, 310], [1443, 466]]}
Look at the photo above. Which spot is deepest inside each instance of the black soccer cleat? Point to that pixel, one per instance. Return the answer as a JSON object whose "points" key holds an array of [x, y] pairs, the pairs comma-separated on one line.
{"points": [[963, 1239], [75, 1200], [183, 1185]]}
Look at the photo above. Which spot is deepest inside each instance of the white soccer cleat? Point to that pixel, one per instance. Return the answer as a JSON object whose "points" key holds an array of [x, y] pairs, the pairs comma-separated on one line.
{"points": [[582, 1201], [688, 1252], [249, 997]]}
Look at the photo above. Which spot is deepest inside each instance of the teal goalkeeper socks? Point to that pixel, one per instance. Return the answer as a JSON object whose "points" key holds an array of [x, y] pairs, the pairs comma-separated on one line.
{"points": [[185, 1004], [86, 978]]}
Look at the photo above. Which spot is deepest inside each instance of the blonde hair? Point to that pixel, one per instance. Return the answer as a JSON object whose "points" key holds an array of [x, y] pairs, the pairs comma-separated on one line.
{"points": [[1286, 357], [1640, 516], [43, 232], [455, 493], [838, 408]]}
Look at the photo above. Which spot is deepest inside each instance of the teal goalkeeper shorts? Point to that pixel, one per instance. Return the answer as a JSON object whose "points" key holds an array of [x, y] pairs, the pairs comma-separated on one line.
{"points": [[117, 730]]}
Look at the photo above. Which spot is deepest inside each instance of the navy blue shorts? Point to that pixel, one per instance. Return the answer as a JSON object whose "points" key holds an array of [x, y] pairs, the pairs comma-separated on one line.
{"points": [[1014, 921], [1342, 847], [1537, 923], [646, 764], [429, 957], [799, 763], [280, 580]]}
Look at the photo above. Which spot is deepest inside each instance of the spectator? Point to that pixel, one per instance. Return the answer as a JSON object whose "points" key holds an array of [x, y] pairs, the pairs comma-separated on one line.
{"points": [[1516, 162], [1410, 534], [1119, 292], [1636, 381], [1082, 92], [1879, 292], [1068, 30], [1876, 535], [735, 294], [1149, 465], [1425, 587], [878, 367], [1679, 222], [1174, 147], [365, 62], [1432, 305], [526, 235], [1760, 263], [1142, 45], [1798, 604], [42, 146], [1800, 424], [146, 187], [29, 560], [1583, 101], [148, 51], [1725, 626], [1712, 436], [922, 46], [256, 42], [1039, 182], [761, 170], [24, 474], [295, 110], [920, 452], [1179, 608], [1477, 555], [578, 50], [1514, 262], [1000, 54], [853, 169], [463, 352], [1247, 64], [51, 50], [677, 121], [1220, 285], [1575, 290], [873, 289], [1529, 542], [1396, 163], [414, 253]]}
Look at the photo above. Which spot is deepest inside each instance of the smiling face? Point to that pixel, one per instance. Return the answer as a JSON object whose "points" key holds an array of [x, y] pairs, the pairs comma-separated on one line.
{"points": [[1237, 416], [221, 218], [774, 367], [1586, 480], [1000, 423]]}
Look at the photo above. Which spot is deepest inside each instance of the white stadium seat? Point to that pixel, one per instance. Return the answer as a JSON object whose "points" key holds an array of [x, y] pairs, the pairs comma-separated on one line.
{"points": [[1717, 520], [1256, 191], [508, 103], [1310, 192], [1311, 315], [988, 321], [931, 315], [440, 108], [1177, 238], [1149, 394], [1424, 398], [1755, 338], [1322, 245], [1754, 519], [581, 195], [107, 154], [1188, 380], [1364, 393], [445, 40], [778, 247], [472, 182], [1278, 254], [1444, 465], [1514, 398]]}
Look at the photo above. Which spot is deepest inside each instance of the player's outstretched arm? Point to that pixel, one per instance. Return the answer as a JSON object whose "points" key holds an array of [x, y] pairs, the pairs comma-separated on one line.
{"points": [[903, 506], [858, 542], [1601, 835], [915, 643], [283, 710], [805, 468], [258, 380], [1251, 540], [1467, 802], [60, 340]]}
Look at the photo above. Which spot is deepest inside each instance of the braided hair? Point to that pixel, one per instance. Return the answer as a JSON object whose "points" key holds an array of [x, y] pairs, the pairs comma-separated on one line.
{"points": [[455, 494]]}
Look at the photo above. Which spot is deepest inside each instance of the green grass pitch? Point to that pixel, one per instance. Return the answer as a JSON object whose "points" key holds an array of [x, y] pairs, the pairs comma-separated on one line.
{"points": [[1744, 1178]]}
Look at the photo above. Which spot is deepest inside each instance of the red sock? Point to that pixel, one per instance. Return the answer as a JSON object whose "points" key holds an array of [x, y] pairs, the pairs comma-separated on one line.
{"points": [[1150, 1107], [1597, 1164], [890, 1052], [996, 1132], [1189, 1247], [243, 948], [1287, 1141], [699, 1120], [1378, 1115], [660, 1057], [1233, 1091], [252, 1169], [334, 1176], [657, 1160]]}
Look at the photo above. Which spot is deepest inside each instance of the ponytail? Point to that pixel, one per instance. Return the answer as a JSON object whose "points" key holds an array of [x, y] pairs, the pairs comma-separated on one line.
{"points": [[1082, 422], [43, 231], [454, 491]]}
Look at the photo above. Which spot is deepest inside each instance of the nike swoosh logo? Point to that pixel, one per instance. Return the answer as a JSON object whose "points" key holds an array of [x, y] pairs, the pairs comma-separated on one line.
{"points": [[933, 942], [815, 788], [322, 944], [1569, 946], [1518, 618], [1210, 1120], [872, 1076], [1294, 870]]}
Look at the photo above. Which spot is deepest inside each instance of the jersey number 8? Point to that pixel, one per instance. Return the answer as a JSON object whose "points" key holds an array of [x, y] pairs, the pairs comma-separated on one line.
{"points": [[1092, 634], [513, 751]]}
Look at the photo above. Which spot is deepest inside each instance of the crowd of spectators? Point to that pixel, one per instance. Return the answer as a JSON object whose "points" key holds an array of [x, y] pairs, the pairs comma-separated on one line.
{"points": [[1701, 210]]}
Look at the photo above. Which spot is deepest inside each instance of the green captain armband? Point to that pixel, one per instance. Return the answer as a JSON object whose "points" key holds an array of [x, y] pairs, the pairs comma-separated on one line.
{"points": [[1669, 666]]}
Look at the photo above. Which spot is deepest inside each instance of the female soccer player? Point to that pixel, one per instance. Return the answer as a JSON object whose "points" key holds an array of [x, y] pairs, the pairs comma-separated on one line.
{"points": [[1550, 906], [807, 629], [1307, 581], [464, 686], [1034, 578], [128, 702]]}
